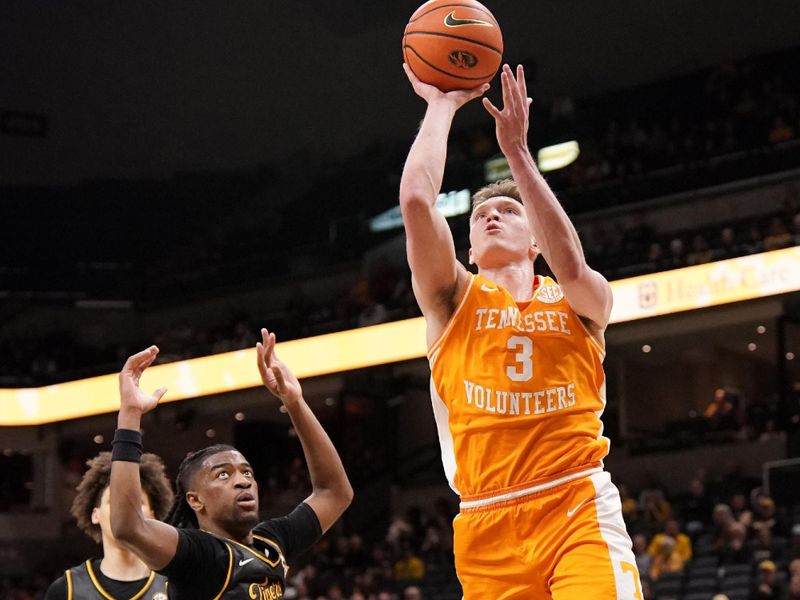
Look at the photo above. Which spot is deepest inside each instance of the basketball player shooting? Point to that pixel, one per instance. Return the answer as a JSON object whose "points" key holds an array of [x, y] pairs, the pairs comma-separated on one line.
{"points": [[213, 544], [517, 382]]}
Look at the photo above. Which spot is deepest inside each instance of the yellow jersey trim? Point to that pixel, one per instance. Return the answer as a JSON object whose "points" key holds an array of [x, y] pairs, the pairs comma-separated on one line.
{"points": [[230, 570], [69, 584], [105, 594], [272, 543], [255, 553]]}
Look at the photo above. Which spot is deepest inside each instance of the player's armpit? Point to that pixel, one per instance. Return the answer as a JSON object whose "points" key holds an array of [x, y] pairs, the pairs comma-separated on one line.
{"points": [[589, 295]]}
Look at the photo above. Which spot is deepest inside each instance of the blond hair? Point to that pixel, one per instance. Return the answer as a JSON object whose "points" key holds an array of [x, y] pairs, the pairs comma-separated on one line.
{"points": [[505, 188]]}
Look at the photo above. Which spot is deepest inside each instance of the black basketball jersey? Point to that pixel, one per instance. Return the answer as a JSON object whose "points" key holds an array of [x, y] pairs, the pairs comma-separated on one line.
{"points": [[83, 584], [256, 572]]}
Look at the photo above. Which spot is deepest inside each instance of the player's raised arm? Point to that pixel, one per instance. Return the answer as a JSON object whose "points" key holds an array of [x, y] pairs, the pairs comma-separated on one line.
{"points": [[437, 275], [152, 541], [331, 492], [587, 291]]}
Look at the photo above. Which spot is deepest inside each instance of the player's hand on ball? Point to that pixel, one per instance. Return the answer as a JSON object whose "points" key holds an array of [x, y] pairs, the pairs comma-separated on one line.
{"points": [[430, 93], [275, 375], [511, 123], [131, 396]]}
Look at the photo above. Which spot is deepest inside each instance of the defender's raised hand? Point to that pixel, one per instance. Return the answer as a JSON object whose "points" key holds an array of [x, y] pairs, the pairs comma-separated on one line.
{"points": [[431, 93], [131, 396], [511, 123], [275, 375]]}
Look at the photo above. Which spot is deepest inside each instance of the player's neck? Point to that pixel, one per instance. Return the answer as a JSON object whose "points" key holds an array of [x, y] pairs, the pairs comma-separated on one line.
{"points": [[120, 564], [517, 278], [243, 536]]}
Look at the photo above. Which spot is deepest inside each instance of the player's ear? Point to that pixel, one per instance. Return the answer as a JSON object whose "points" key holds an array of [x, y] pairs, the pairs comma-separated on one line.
{"points": [[194, 501], [533, 250], [95, 516], [471, 259]]}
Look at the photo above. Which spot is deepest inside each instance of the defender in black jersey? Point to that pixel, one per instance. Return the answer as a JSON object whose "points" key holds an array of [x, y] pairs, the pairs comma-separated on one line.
{"points": [[212, 545], [120, 574]]}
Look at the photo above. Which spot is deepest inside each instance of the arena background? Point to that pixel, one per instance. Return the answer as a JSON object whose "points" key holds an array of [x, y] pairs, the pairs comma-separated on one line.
{"points": [[185, 173]]}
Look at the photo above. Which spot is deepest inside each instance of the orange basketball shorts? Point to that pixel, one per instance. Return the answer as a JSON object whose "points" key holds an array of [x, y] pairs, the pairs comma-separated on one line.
{"points": [[566, 542]]}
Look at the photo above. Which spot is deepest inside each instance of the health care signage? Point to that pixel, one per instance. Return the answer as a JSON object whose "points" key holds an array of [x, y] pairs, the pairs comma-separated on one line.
{"points": [[685, 289], [711, 284]]}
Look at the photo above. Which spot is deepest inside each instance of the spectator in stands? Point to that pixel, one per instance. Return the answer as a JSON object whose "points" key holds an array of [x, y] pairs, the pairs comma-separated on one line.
{"points": [[666, 560], [683, 545], [794, 567], [696, 507], [655, 257], [629, 504], [794, 545], [722, 518], [735, 551], [640, 550], [409, 567], [399, 530], [768, 586], [794, 588], [754, 243], [700, 253], [764, 515], [741, 511], [721, 413], [655, 509], [412, 592], [728, 246], [762, 547], [676, 257], [778, 236], [781, 131]]}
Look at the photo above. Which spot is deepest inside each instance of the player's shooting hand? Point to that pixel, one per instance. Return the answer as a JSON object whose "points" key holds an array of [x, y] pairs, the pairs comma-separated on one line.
{"points": [[275, 375], [131, 396], [511, 123], [431, 93]]}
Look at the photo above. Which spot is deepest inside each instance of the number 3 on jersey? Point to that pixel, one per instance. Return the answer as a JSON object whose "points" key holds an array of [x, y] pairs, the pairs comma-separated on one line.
{"points": [[523, 369]]}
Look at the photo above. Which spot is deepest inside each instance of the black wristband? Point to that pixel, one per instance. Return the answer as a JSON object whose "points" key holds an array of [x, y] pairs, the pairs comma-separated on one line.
{"points": [[127, 445]]}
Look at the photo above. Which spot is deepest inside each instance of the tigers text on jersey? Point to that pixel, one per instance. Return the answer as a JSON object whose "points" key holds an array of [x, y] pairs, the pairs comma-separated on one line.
{"points": [[517, 390]]}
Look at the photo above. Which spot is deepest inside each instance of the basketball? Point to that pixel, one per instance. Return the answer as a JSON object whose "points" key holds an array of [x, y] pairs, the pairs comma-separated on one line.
{"points": [[453, 45]]}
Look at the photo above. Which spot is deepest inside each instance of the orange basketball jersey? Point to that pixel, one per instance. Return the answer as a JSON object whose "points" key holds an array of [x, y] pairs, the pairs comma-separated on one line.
{"points": [[517, 390]]}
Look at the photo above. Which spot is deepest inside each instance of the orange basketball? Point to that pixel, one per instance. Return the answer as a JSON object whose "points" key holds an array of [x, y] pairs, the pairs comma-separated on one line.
{"points": [[453, 45]]}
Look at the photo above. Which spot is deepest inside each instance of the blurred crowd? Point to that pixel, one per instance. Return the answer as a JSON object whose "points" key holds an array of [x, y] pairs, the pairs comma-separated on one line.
{"points": [[721, 536]]}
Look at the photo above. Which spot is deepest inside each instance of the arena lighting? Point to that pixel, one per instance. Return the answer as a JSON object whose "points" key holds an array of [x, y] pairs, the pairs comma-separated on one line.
{"points": [[557, 156], [549, 158], [450, 204], [496, 168], [701, 286]]}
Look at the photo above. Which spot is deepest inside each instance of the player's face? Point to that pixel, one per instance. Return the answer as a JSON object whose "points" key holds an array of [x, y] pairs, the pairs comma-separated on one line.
{"points": [[101, 514], [228, 490], [499, 233]]}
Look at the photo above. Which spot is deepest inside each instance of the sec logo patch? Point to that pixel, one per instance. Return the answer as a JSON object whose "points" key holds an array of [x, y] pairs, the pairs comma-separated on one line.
{"points": [[550, 294]]}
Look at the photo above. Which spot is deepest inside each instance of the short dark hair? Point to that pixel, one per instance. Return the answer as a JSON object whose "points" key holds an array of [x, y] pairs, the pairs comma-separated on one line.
{"points": [[180, 513], [505, 188], [154, 483]]}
